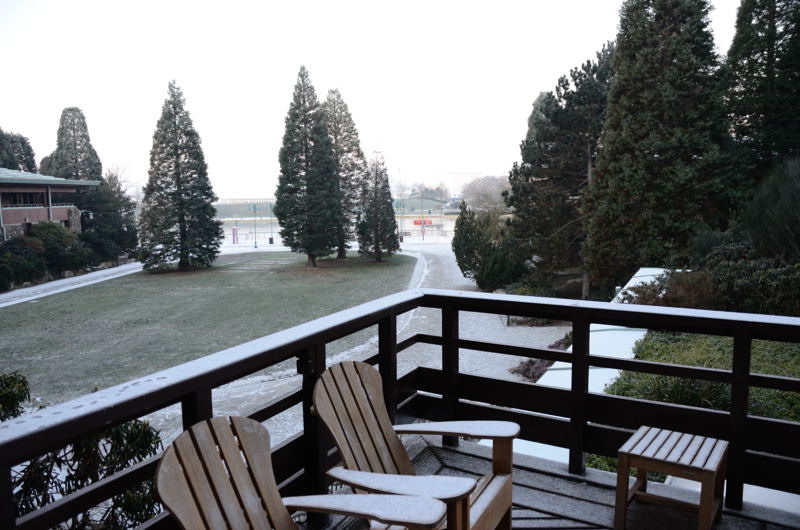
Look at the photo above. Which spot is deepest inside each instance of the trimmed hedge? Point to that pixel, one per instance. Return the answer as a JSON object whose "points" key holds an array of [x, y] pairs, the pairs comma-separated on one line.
{"points": [[775, 358]]}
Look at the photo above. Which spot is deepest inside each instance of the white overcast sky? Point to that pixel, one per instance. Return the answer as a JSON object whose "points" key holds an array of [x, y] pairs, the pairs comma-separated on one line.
{"points": [[442, 88]]}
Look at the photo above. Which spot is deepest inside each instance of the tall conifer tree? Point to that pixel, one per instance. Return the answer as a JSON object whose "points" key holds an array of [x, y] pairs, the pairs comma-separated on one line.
{"points": [[661, 169], [377, 230], [23, 152], [307, 201], [74, 157], [558, 155], [351, 166], [8, 159], [177, 221], [763, 64]]}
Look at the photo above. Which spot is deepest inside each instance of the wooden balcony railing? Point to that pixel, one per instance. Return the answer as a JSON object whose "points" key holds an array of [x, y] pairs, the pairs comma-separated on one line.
{"points": [[763, 451]]}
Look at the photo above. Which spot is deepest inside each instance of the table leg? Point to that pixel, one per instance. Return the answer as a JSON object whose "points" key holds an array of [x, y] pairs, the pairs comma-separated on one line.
{"points": [[621, 507]]}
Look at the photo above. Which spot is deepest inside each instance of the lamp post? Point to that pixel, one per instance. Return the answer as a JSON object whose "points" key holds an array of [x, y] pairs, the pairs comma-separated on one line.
{"points": [[271, 215], [255, 233]]}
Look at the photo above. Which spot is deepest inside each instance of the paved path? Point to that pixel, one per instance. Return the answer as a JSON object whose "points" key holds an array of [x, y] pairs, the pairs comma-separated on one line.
{"points": [[25, 294]]}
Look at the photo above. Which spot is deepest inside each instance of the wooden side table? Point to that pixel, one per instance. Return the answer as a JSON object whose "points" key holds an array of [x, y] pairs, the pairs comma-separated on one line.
{"points": [[675, 453]]}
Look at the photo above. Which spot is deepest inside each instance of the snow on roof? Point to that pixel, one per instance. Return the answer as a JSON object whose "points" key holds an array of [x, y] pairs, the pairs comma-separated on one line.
{"points": [[13, 176]]}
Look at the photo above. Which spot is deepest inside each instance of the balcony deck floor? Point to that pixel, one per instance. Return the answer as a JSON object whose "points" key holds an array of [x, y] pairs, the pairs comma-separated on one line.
{"points": [[546, 496]]}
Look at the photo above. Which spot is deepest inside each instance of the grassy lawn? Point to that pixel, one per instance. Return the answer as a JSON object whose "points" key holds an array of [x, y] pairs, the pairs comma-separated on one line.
{"points": [[71, 343]]}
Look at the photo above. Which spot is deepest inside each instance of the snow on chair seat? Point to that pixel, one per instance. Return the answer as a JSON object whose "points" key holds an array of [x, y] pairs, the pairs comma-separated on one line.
{"points": [[348, 398], [218, 474]]}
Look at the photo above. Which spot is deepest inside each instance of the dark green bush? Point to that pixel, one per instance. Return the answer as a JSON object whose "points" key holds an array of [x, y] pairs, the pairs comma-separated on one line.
{"points": [[53, 475], [728, 274], [62, 252], [775, 358], [6, 277], [102, 248], [695, 289], [773, 217], [483, 251], [14, 391], [25, 257]]}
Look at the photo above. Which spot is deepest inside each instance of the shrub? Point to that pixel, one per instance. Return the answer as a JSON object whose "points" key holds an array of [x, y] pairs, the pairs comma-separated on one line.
{"points": [[102, 248], [761, 285], [695, 289], [25, 257], [58, 473], [731, 275], [774, 215], [62, 251], [14, 391], [6, 277], [483, 252], [768, 357]]}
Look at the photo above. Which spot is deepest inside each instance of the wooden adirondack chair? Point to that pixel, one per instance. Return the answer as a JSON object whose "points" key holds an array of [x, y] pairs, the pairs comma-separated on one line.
{"points": [[348, 398], [218, 475]]}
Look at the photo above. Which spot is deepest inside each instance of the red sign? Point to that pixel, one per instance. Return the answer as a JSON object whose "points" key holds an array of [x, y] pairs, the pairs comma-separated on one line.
{"points": [[423, 221]]}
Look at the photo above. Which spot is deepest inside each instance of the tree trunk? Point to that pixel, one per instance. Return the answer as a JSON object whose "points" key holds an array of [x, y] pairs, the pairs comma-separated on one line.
{"points": [[585, 286], [342, 244], [312, 261]]}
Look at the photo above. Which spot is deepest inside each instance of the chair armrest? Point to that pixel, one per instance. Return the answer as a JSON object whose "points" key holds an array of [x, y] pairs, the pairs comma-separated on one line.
{"points": [[389, 509], [433, 486], [473, 429]]}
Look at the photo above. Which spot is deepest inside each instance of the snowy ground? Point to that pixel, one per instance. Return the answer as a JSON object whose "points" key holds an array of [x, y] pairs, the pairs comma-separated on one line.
{"points": [[436, 268]]}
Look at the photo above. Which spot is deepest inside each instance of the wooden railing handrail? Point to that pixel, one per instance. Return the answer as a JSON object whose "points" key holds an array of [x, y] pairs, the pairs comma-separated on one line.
{"points": [[191, 384], [704, 321]]}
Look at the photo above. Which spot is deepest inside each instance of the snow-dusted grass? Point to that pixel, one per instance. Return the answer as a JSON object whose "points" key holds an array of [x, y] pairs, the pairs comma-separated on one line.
{"points": [[99, 335]]}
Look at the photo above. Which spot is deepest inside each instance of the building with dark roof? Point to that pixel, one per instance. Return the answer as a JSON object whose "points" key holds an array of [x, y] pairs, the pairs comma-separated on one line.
{"points": [[27, 199]]}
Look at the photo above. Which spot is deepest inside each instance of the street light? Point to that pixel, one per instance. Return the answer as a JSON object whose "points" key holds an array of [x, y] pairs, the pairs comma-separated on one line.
{"points": [[271, 215], [255, 233]]}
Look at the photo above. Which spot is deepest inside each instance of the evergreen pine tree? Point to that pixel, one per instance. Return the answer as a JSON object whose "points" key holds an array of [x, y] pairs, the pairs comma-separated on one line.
{"points": [[307, 201], [8, 159], [469, 242], [74, 157], [558, 155], [112, 228], [177, 221], [484, 252], [763, 65], [351, 166], [377, 229], [23, 153], [660, 172]]}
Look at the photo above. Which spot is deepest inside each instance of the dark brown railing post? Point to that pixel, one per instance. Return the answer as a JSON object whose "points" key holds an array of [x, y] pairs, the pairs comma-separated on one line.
{"points": [[740, 392], [196, 407], [7, 516], [450, 367], [387, 362], [578, 395], [311, 364]]}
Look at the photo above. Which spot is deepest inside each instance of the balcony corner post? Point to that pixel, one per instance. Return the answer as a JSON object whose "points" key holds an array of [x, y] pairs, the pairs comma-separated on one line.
{"points": [[387, 362], [7, 509], [579, 391], [740, 393], [450, 367], [312, 362]]}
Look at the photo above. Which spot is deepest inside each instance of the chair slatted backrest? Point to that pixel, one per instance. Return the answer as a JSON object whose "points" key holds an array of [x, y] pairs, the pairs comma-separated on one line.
{"points": [[348, 398], [218, 474]]}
